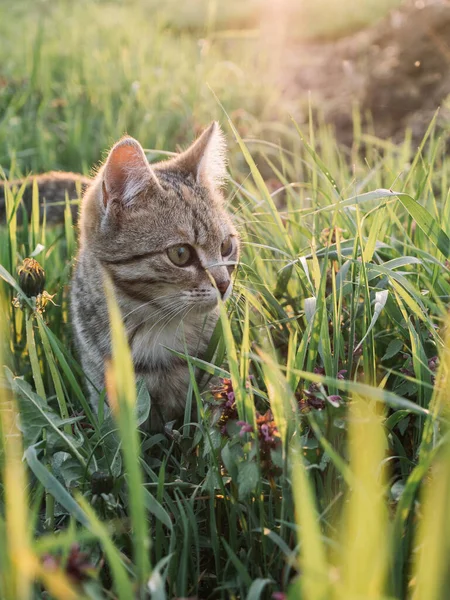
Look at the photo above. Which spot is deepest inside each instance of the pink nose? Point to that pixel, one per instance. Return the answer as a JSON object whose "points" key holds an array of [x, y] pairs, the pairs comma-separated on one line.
{"points": [[222, 286]]}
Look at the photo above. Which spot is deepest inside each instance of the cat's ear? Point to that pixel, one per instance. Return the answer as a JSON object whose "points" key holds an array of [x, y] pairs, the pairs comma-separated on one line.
{"points": [[206, 157], [126, 172]]}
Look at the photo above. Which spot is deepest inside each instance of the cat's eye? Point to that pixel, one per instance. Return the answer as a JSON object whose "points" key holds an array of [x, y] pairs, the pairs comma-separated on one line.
{"points": [[227, 246], [182, 256]]}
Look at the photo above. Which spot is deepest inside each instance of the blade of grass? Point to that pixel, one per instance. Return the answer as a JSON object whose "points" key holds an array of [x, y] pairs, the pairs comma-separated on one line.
{"points": [[122, 398]]}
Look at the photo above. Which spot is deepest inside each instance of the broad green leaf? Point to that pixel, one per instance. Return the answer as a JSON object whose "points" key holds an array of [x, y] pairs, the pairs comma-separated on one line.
{"points": [[38, 415], [53, 487], [248, 478]]}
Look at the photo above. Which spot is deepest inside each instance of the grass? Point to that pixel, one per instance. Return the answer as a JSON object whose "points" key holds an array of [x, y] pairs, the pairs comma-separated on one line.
{"points": [[338, 315]]}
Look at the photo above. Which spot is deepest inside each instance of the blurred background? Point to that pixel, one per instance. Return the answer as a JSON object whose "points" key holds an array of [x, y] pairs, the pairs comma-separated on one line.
{"points": [[74, 76]]}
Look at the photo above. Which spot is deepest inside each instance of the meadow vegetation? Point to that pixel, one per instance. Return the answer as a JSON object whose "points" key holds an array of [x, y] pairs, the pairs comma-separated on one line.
{"points": [[320, 465]]}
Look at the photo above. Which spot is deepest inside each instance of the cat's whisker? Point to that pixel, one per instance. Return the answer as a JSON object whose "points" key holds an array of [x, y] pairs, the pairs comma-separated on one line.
{"points": [[165, 310], [190, 308], [163, 321], [161, 313], [149, 302], [166, 322], [222, 263]]}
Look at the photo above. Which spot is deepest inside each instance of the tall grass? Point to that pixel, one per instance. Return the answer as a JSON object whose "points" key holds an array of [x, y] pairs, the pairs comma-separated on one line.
{"points": [[329, 476], [338, 316]]}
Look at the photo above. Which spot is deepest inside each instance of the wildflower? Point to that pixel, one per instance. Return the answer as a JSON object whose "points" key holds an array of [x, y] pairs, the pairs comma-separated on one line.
{"points": [[267, 428], [227, 407], [269, 439], [245, 427], [316, 396], [279, 596], [334, 400], [312, 398], [433, 363], [77, 565]]}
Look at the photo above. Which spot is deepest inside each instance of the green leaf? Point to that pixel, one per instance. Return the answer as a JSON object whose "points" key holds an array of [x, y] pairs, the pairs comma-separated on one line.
{"points": [[156, 509], [380, 303], [393, 349], [426, 222], [248, 478], [53, 487], [36, 415], [257, 588], [239, 566], [143, 403]]}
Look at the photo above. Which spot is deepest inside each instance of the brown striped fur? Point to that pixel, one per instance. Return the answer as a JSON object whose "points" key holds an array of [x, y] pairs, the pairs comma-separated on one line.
{"points": [[131, 214]]}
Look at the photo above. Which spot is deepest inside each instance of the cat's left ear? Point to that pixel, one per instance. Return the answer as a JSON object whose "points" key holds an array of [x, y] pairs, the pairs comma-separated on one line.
{"points": [[206, 157]]}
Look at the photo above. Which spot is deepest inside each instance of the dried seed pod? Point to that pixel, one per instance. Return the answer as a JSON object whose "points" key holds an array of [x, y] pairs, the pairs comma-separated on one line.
{"points": [[101, 482], [31, 278]]}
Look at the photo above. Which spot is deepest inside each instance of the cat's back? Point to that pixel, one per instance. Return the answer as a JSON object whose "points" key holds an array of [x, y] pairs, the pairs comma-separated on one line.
{"points": [[53, 188]]}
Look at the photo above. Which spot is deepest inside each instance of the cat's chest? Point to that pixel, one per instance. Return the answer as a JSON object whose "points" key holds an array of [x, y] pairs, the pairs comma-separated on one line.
{"points": [[151, 345], [166, 374]]}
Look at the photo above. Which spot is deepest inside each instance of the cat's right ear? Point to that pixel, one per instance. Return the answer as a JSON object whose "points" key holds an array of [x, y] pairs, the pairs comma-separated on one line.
{"points": [[126, 173]]}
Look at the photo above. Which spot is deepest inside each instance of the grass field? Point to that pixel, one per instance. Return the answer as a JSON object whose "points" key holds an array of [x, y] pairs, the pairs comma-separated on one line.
{"points": [[320, 466]]}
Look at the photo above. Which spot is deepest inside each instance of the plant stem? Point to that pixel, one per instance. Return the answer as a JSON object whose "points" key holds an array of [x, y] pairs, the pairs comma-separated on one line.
{"points": [[32, 353]]}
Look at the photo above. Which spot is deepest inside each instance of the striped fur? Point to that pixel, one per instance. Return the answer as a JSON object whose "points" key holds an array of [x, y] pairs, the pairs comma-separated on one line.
{"points": [[131, 214], [53, 188]]}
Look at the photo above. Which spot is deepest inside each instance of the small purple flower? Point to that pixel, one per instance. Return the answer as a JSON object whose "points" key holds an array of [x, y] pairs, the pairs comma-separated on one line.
{"points": [[407, 372], [229, 403], [279, 596], [230, 396], [341, 374], [77, 566], [433, 362], [224, 394], [264, 428], [269, 439], [245, 427], [334, 400]]}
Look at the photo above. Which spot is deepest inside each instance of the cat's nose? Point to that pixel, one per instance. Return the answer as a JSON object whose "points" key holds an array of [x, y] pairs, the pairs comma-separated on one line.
{"points": [[222, 286]]}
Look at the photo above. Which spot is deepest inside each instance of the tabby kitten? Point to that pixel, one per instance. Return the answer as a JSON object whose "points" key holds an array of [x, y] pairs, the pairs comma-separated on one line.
{"points": [[162, 234]]}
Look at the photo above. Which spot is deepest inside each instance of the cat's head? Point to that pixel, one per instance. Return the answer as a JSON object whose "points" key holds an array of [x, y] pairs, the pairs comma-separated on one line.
{"points": [[162, 231]]}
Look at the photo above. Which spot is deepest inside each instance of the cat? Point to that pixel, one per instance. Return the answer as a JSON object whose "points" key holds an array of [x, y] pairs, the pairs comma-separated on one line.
{"points": [[53, 188], [163, 236]]}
